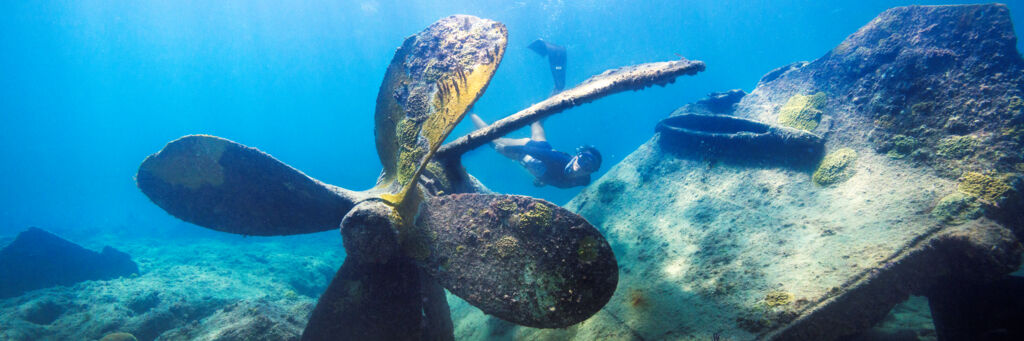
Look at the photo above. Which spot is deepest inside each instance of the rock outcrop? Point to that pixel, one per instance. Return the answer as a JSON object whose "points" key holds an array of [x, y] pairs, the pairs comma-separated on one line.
{"points": [[188, 289], [922, 103], [38, 259]]}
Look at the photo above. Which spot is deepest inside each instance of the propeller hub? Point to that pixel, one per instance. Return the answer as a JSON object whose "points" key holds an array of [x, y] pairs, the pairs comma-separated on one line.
{"points": [[368, 233]]}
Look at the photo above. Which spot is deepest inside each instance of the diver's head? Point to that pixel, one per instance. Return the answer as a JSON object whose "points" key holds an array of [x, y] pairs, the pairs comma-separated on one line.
{"points": [[587, 160]]}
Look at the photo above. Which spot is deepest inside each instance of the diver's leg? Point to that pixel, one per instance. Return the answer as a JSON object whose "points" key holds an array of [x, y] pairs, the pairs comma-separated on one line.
{"points": [[477, 121], [507, 142], [502, 144], [510, 148], [537, 132], [501, 141]]}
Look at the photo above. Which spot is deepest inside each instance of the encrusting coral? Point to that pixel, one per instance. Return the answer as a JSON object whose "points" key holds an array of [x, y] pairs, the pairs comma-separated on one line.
{"points": [[537, 215], [836, 167], [506, 246], [955, 147], [802, 111], [902, 146], [777, 298], [957, 208], [985, 187]]}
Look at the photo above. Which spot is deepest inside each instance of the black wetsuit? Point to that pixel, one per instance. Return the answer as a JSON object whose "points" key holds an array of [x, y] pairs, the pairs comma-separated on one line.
{"points": [[547, 164]]}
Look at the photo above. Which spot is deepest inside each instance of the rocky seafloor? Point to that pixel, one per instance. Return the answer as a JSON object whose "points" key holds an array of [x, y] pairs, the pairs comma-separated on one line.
{"points": [[221, 288], [883, 171], [235, 288]]}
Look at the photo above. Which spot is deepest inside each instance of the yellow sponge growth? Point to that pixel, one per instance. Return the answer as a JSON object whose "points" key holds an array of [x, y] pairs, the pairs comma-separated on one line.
{"points": [[802, 111], [506, 246], [836, 167], [777, 298], [983, 186], [535, 216]]}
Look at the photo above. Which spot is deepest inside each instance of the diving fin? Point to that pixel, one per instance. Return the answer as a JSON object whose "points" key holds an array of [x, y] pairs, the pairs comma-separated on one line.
{"points": [[556, 59]]}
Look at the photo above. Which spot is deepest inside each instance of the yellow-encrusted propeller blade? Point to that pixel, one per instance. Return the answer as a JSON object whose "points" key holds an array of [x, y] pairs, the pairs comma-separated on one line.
{"points": [[432, 81]]}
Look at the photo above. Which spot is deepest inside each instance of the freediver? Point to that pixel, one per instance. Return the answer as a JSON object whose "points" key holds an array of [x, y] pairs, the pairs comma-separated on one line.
{"points": [[547, 165]]}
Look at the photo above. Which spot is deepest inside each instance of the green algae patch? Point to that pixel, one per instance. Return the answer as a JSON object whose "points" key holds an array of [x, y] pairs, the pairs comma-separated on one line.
{"points": [[537, 215], [836, 167], [408, 131], [506, 206], [902, 146], [956, 147], [587, 251], [437, 170], [1014, 104], [410, 152], [922, 108], [802, 111], [957, 208], [506, 246], [985, 187], [1014, 133], [408, 160], [777, 298]]}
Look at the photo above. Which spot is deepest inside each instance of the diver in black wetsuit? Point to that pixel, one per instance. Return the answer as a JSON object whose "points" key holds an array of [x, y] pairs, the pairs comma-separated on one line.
{"points": [[547, 165]]}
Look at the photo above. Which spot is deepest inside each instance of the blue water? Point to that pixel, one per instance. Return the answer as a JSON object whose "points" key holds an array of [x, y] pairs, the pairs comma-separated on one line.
{"points": [[90, 88]]}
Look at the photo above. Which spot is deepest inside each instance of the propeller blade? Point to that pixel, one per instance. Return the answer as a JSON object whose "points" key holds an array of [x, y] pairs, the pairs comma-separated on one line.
{"points": [[380, 301], [435, 76], [521, 259], [225, 186]]}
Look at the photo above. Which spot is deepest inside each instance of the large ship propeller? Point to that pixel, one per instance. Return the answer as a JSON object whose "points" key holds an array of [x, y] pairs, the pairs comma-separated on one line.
{"points": [[521, 259]]}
